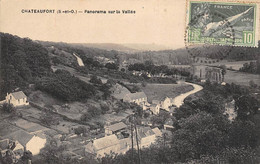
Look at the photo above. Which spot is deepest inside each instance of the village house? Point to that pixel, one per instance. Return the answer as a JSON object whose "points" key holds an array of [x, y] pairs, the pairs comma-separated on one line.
{"points": [[33, 143], [115, 128], [108, 144], [155, 108], [17, 99], [13, 147], [103, 146], [139, 98], [147, 136], [164, 103]]}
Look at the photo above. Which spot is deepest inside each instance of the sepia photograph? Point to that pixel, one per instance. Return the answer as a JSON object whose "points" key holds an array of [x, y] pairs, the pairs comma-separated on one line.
{"points": [[129, 82]]}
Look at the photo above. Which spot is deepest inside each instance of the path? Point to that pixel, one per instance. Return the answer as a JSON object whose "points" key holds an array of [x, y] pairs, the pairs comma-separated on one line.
{"points": [[79, 60], [178, 101]]}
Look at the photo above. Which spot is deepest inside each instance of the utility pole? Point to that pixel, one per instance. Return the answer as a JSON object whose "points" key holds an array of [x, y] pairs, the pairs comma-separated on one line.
{"points": [[132, 138], [139, 157]]}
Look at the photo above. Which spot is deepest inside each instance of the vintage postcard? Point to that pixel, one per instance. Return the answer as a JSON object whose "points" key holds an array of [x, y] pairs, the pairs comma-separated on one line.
{"points": [[129, 82]]}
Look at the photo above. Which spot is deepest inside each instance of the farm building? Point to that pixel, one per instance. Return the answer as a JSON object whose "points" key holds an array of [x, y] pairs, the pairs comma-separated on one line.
{"points": [[155, 108], [33, 143], [115, 128], [208, 73], [9, 146], [99, 147], [17, 99], [139, 98], [164, 103]]}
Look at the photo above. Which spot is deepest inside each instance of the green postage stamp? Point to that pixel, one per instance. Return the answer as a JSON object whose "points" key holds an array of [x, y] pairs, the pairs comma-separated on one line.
{"points": [[222, 23]]}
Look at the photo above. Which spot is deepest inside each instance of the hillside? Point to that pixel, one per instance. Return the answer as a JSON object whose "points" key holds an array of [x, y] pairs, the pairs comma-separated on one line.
{"points": [[22, 61], [182, 56], [25, 62], [81, 49], [107, 46]]}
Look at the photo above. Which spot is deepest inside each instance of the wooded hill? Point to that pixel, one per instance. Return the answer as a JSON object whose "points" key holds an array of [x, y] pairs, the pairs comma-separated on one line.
{"points": [[22, 61]]}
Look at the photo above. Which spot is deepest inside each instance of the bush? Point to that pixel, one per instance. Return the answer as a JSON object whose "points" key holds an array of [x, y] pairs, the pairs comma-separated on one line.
{"points": [[92, 112], [95, 80], [66, 87], [81, 130], [104, 108], [8, 108]]}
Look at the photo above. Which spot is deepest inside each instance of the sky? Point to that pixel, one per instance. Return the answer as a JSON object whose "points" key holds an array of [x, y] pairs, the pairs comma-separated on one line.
{"points": [[155, 21]]}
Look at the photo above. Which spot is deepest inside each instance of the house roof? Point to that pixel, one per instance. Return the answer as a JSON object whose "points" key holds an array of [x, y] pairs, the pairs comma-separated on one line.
{"points": [[21, 136], [155, 102], [105, 142], [18, 95], [144, 132], [117, 126], [134, 96], [157, 131], [164, 98], [4, 144]]}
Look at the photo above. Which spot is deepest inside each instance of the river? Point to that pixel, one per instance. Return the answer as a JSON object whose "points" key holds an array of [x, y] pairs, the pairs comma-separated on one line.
{"points": [[178, 101], [80, 62]]}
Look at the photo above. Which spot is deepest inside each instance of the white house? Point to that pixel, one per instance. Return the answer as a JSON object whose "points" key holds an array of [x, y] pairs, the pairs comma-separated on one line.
{"points": [[155, 108], [105, 145], [10, 146], [16, 98], [147, 136], [33, 143], [165, 103], [139, 98]]}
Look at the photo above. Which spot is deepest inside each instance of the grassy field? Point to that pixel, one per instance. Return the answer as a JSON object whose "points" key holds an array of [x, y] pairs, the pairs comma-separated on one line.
{"points": [[158, 91], [232, 65], [241, 78]]}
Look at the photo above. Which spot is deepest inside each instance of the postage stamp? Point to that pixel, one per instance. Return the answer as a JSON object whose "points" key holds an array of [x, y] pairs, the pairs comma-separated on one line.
{"points": [[222, 23]]}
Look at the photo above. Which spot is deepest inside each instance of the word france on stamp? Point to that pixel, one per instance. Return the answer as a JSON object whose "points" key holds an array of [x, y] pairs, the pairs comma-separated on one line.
{"points": [[222, 23]]}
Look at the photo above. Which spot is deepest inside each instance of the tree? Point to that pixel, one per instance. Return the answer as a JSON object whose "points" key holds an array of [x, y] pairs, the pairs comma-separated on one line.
{"points": [[52, 153], [135, 89], [246, 106], [243, 134], [81, 130], [198, 135], [104, 108], [122, 70], [252, 84], [8, 108], [111, 66], [27, 155], [224, 70], [95, 80]]}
